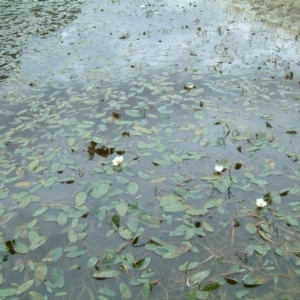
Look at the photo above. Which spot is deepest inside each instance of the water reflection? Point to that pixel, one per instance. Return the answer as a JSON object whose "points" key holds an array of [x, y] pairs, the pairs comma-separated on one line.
{"points": [[23, 20]]}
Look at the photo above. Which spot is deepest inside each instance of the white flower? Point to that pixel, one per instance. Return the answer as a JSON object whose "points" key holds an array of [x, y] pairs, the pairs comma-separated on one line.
{"points": [[261, 202], [117, 160], [219, 168]]}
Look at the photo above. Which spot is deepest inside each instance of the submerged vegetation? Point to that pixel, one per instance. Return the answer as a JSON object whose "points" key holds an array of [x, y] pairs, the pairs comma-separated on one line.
{"points": [[147, 152]]}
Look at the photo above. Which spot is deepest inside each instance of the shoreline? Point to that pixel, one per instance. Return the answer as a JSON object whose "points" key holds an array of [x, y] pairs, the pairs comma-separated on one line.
{"points": [[283, 14]]}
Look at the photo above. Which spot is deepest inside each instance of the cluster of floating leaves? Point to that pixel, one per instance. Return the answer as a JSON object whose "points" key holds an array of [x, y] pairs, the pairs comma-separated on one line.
{"points": [[129, 183]]}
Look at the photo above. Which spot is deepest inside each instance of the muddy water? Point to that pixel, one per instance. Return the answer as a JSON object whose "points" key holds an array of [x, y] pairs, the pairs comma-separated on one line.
{"points": [[205, 79]]}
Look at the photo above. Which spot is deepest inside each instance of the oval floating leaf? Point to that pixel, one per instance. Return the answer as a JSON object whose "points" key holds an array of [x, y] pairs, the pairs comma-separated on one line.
{"points": [[146, 290], [211, 286], [20, 247], [125, 291], [251, 228], [109, 257], [198, 277], [72, 235], [107, 292], [132, 187], [92, 261], [242, 293], [106, 274], [57, 277], [7, 292], [57, 253], [40, 211], [80, 198], [121, 208], [103, 189], [62, 219], [24, 286], [189, 266]]}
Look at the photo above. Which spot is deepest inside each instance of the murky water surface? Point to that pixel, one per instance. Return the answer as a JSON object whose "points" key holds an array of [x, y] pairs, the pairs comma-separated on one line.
{"points": [[200, 101]]}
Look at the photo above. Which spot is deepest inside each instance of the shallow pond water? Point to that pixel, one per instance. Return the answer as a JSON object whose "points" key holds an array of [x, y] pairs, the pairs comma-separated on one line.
{"points": [[202, 103]]}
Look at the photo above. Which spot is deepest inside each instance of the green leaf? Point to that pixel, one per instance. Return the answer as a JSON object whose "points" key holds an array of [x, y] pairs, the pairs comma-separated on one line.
{"points": [[20, 247], [114, 192], [122, 208], [207, 227], [71, 142], [250, 280], [37, 242], [40, 211], [262, 249], [3, 193], [72, 235], [108, 257], [142, 264], [57, 253], [24, 286], [109, 233], [7, 292], [50, 181], [80, 198], [132, 187], [115, 219], [258, 181], [189, 266], [62, 219], [160, 162], [133, 224], [193, 294], [125, 291], [122, 179], [125, 233], [33, 165], [171, 206], [57, 277], [182, 192], [242, 293], [211, 286], [141, 145], [198, 277], [55, 166], [143, 175], [291, 220], [107, 292], [40, 273], [153, 222], [251, 228], [92, 261], [76, 252], [102, 189], [146, 290], [168, 131], [106, 274], [33, 295]]}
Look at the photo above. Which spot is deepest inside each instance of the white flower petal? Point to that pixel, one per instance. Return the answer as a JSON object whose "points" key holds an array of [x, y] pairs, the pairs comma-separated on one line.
{"points": [[261, 202], [219, 168], [117, 160]]}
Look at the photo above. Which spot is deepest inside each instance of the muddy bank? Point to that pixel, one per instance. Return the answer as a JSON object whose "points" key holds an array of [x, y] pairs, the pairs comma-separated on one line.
{"points": [[284, 13]]}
